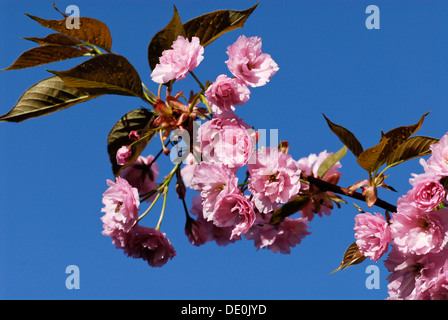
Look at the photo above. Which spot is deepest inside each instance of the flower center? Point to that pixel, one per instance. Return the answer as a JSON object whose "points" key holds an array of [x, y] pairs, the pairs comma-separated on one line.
{"points": [[417, 268], [117, 208], [220, 187], [424, 224], [273, 177]]}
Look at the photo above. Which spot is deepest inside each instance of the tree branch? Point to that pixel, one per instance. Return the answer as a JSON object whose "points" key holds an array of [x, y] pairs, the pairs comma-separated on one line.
{"points": [[326, 186]]}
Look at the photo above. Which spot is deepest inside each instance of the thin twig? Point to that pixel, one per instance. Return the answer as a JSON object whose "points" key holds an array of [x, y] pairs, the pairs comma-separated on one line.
{"points": [[326, 186]]}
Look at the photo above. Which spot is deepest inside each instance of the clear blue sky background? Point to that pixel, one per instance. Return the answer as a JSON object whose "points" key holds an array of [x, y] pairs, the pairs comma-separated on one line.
{"points": [[54, 169]]}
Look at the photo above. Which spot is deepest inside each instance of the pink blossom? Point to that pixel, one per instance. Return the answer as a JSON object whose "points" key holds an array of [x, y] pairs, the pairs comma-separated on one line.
{"points": [[176, 62], [439, 289], [427, 193], [310, 165], [248, 63], [134, 135], [419, 232], [196, 231], [405, 270], [438, 161], [188, 170], [428, 174], [372, 235], [225, 93], [150, 245], [226, 140], [274, 178], [120, 238], [123, 155], [234, 210], [321, 202], [213, 182], [121, 203], [281, 238], [416, 277], [142, 174], [204, 231]]}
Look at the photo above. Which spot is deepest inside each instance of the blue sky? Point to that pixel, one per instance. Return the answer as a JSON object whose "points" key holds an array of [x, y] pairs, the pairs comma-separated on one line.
{"points": [[54, 168]]}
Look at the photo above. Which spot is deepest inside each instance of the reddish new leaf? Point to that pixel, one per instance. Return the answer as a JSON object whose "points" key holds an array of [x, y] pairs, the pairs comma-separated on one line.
{"points": [[104, 74], [43, 55], [45, 97], [373, 158], [56, 39], [414, 147], [396, 137], [370, 159], [346, 137], [210, 26], [351, 257], [90, 30]]}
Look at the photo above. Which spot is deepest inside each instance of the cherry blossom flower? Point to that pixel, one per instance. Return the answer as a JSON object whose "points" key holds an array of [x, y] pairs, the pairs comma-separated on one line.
{"points": [[188, 170], [321, 202], [427, 194], [121, 206], [236, 211], [248, 63], [213, 182], [226, 140], [196, 231], [123, 155], [281, 238], [150, 245], [438, 161], [203, 230], [176, 62], [372, 235], [142, 174], [274, 178], [225, 93], [419, 232], [417, 277]]}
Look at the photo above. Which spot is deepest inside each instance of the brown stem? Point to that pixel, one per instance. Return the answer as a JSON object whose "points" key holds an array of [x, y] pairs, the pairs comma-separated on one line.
{"points": [[326, 186]]}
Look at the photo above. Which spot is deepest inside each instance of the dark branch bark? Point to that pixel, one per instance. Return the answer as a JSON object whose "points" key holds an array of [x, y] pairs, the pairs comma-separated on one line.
{"points": [[326, 186]]}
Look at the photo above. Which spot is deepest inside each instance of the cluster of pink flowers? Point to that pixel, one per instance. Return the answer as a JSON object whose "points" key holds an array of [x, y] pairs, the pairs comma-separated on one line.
{"points": [[225, 210], [418, 232], [121, 207]]}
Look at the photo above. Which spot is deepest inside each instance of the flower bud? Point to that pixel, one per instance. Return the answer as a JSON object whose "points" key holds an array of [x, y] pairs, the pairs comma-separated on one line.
{"points": [[123, 155]]}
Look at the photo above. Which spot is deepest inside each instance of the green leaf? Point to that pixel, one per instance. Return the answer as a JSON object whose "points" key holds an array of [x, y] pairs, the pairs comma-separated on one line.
{"points": [[136, 120], [104, 74], [45, 97], [90, 30], [292, 206], [414, 147], [210, 26], [163, 39], [351, 257], [330, 161], [347, 138], [43, 55]]}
